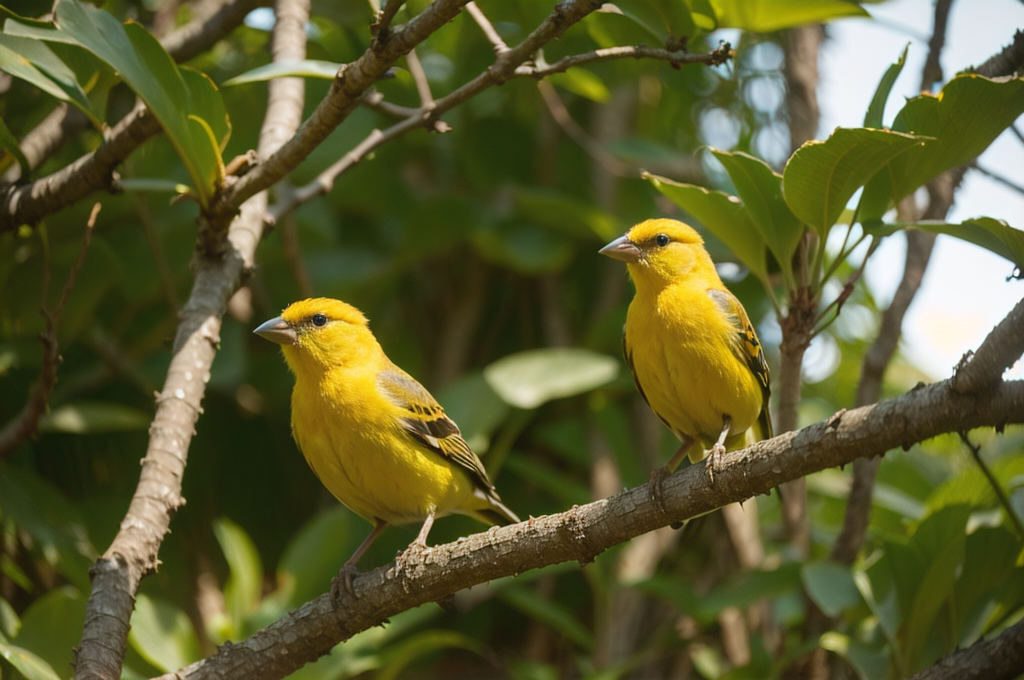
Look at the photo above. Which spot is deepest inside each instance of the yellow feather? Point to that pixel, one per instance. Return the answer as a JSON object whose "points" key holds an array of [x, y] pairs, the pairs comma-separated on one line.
{"points": [[363, 424], [692, 350]]}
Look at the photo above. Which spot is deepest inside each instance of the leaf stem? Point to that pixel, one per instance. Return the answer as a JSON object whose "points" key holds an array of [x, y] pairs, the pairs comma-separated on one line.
{"points": [[1004, 500]]}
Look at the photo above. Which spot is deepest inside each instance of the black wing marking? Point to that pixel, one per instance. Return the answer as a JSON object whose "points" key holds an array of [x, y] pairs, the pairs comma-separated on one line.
{"points": [[427, 423]]}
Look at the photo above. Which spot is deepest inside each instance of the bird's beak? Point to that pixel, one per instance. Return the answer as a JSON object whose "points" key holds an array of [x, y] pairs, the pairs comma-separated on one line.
{"points": [[621, 249], [277, 330]]}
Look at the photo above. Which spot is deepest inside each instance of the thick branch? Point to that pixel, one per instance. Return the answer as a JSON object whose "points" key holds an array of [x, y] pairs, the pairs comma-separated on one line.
{"points": [[583, 532], [1000, 658], [133, 553], [1000, 350]]}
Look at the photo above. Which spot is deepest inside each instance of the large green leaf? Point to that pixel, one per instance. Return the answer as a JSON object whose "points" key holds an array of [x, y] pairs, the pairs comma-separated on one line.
{"points": [[421, 644], [951, 117], [661, 19], [315, 554], [876, 110], [477, 409], [34, 62], [534, 377], [988, 562], [162, 634], [723, 215], [305, 68], [760, 189], [245, 582], [821, 177], [991, 234], [51, 627], [582, 82], [831, 586], [25, 662], [763, 16], [186, 103]]}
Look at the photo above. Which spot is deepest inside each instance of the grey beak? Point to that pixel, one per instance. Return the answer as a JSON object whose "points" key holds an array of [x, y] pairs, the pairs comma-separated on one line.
{"points": [[277, 330], [621, 249]]}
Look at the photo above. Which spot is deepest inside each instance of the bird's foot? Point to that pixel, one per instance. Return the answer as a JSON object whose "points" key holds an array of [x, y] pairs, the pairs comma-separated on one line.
{"points": [[343, 580], [654, 486], [714, 461]]}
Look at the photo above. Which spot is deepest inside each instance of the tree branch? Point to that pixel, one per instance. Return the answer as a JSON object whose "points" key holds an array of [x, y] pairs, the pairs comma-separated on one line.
{"points": [[985, 367], [583, 532], [23, 426], [133, 553], [487, 27], [1000, 658]]}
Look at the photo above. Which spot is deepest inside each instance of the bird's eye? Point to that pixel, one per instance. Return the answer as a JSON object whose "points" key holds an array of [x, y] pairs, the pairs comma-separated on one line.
{"points": [[662, 240], [319, 320]]}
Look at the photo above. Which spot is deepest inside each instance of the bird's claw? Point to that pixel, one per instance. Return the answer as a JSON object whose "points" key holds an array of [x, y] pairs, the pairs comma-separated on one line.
{"points": [[714, 458], [343, 580], [654, 487]]}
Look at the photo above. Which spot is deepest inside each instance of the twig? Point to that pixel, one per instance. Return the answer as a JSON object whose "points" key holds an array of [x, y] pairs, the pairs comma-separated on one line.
{"points": [[1005, 181], [24, 425], [994, 483], [375, 100], [381, 28], [419, 76], [133, 552], [485, 25], [715, 57], [561, 115]]}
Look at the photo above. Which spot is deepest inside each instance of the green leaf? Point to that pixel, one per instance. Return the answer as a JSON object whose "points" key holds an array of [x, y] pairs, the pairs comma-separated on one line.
{"points": [[582, 82], [289, 68], [32, 61], [876, 110], [185, 102], [993, 235], [10, 624], [661, 19], [51, 627], [550, 612], [763, 16], [25, 662], [314, 556], [9, 143], [153, 185], [245, 583], [162, 634], [989, 559], [94, 417], [421, 644], [723, 215], [760, 189], [534, 377], [821, 177], [871, 663], [943, 117], [936, 585], [831, 586]]}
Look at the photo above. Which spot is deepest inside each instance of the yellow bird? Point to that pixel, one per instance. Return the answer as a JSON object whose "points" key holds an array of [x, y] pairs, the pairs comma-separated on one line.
{"points": [[695, 357], [374, 436]]}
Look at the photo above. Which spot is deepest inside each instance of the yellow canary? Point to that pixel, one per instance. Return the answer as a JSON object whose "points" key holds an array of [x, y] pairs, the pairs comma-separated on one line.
{"points": [[695, 357], [374, 436]]}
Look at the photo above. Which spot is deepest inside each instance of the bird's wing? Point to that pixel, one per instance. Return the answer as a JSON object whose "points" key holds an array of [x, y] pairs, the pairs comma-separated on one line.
{"points": [[747, 348], [427, 423]]}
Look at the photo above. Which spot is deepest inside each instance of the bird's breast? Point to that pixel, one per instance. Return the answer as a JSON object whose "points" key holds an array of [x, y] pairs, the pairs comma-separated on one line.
{"points": [[681, 353]]}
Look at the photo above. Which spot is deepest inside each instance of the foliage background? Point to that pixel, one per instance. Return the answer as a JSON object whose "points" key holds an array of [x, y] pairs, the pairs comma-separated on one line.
{"points": [[462, 249]]}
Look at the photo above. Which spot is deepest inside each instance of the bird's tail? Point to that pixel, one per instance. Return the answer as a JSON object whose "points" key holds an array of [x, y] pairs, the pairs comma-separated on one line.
{"points": [[495, 512]]}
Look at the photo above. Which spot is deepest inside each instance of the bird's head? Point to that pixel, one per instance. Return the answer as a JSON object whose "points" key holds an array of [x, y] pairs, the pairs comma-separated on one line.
{"points": [[658, 252], [319, 334]]}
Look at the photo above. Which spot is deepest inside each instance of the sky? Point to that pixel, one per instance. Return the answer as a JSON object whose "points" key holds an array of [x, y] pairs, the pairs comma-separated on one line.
{"points": [[965, 292]]}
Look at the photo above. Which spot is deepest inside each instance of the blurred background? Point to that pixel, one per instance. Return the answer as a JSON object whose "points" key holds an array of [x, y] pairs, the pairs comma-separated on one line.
{"points": [[470, 252]]}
